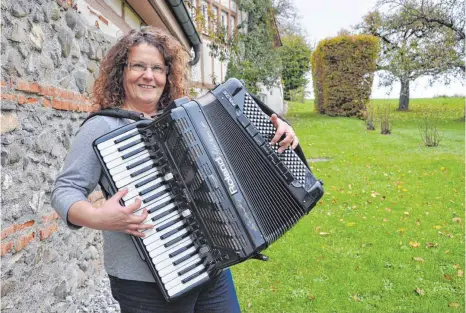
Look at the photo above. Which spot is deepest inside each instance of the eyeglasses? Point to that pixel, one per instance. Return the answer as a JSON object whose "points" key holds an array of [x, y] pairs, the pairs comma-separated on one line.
{"points": [[142, 67]]}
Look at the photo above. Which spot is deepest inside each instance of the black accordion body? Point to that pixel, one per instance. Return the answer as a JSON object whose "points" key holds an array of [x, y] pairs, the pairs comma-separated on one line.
{"points": [[216, 191]]}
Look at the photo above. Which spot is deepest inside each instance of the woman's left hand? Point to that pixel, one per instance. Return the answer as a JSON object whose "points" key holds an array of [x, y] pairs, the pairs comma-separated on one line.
{"points": [[283, 128]]}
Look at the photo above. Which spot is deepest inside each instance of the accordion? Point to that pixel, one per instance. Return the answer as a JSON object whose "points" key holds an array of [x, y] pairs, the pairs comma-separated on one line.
{"points": [[216, 191]]}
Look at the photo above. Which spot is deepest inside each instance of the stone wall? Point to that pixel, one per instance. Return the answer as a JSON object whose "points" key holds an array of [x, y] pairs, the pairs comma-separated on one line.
{"points": [[50, 59]]}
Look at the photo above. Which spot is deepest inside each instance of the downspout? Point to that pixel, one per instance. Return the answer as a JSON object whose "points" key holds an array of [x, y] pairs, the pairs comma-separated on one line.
{"points": [[182, 16]]}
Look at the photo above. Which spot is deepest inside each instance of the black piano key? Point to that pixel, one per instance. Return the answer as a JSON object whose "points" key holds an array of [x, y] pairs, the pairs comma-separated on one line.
{"points": [[187, 269], [133, 165], [186, 257], [142, 170], [158, 207], [155, 218], [125, 138], [171, 232], [130, 154], [175, 240], [191, 277], [155, 196], [129, 145], [175, 253], [166, 225], [147, 190], [146, 181]]}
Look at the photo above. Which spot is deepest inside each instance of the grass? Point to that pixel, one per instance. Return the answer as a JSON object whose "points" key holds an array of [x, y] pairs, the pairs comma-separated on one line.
{"points": [[388, 235]]}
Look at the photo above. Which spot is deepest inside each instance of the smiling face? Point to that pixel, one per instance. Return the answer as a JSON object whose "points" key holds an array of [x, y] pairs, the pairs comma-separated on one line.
{"points": [[143, 81]]}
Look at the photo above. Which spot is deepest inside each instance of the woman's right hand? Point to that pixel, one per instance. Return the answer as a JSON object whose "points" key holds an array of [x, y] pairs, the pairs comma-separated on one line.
{"points": [[112, 216]]}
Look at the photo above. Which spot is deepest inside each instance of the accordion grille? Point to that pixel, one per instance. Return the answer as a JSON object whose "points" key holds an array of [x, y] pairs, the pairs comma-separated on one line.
{"points": [[275, 209], [186, 153]]}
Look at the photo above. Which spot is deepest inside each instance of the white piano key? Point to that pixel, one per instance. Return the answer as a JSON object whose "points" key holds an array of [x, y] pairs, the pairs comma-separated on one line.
{"points": [[156, 237], [170, 276], [163, 220], [180, 287], [131, 181], [127, 173], [172, 268], [117, 154], [114, 148], [164, 255], [159, 201], [135, 191], [177, 281], [160, 189], [123, 166], [170, 261], [120, 161], [161, 242], [160, 250], [111, 142]]}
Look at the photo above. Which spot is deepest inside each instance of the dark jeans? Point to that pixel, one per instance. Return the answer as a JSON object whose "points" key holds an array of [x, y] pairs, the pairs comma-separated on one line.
{"points": [[218, 296]]}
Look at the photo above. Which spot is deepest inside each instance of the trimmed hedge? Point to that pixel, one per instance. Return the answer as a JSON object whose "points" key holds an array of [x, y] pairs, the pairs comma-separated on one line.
{"points": [[342, 72]]}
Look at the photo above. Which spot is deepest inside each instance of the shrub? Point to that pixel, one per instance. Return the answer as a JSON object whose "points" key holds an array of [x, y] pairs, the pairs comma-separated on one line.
{"points": [[342, 71]]}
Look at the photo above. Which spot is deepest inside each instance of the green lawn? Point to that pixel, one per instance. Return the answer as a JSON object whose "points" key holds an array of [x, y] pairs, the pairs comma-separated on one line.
{"points": [[388, 235]]}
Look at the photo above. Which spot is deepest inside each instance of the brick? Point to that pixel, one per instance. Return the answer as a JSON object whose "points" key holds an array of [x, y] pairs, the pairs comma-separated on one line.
{"points": [[23, 100], [8, 231], [51, 217], [46, 102], [27, 87], [47, 231], [6, 247], [7, 96], [103, 19], [47, 90], [16, 227], [61, 104], [3, 84], [22, 242]]}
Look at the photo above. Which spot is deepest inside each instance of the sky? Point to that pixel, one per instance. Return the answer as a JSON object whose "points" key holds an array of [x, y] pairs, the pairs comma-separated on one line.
{"points": [[324, 18]]}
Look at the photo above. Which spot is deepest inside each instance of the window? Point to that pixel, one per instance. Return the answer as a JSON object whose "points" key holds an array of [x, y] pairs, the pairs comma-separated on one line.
{"points": [[224, 22], [205, 16], [232, 25]]}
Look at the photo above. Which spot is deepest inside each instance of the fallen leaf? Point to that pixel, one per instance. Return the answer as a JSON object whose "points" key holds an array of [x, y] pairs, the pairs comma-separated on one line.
{"points": [[324, 234], [249, 304], [453, 305], [419, 259], [420, 292], [312, 298], [460, 273], [385, 220], [356, 298], [350, 186], [388, 209], [406, 213], [456, 266], [431, 245], [437, 226], [350, 224], [456, 220], [447, 277], [447, 251], [414, 244]]}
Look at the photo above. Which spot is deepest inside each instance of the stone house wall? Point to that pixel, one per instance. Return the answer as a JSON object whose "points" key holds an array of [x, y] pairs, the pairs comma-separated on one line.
{"points": [[49, 60]]}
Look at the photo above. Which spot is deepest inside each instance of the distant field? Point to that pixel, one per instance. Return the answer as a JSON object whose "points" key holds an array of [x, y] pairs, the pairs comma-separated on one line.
{"points": [[388, 236]]}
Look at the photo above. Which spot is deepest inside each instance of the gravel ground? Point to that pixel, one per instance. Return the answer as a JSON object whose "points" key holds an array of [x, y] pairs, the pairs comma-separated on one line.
{"points": [[101, 300]]}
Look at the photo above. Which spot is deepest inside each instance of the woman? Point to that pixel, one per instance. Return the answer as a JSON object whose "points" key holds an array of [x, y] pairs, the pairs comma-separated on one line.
{"points": [[143, 72]]}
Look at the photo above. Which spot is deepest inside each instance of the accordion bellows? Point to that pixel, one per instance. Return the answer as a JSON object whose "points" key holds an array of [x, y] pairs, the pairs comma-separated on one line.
{"points": [[216, 191]]}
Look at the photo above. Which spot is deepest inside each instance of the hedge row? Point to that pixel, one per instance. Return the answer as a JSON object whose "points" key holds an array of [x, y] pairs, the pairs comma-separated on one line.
{"points": [[342, 72]]}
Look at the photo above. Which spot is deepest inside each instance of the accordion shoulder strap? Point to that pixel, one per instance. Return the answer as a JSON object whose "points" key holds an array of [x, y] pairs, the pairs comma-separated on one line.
{"points": [[269, 112], [115, 112]]}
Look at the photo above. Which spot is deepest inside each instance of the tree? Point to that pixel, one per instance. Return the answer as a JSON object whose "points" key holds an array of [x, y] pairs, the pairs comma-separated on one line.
{"points": [[295, 57], [252, 52], [418, 38]]}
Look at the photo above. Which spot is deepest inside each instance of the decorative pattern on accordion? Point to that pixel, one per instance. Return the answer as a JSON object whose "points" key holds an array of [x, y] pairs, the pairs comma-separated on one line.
{"points": [[263, 124]]}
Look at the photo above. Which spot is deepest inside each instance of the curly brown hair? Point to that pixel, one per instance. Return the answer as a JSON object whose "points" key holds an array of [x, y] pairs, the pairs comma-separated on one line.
{"points": [[108, 88]]}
